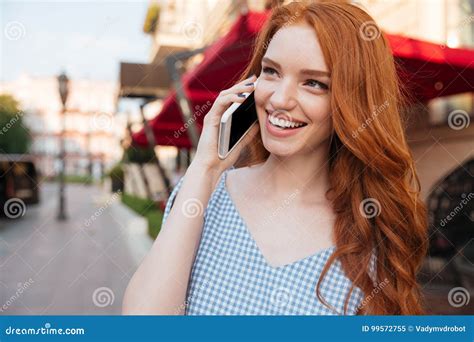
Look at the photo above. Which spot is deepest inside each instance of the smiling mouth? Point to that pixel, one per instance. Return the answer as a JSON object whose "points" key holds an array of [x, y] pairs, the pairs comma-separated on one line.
{"points": [[283, 123]]}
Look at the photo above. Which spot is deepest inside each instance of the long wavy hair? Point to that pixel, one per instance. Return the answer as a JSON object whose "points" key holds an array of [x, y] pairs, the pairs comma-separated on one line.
{"points": [[374, 188]]}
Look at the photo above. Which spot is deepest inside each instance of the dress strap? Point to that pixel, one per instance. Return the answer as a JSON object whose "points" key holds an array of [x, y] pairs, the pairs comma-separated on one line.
{"points": [[224, 177]]}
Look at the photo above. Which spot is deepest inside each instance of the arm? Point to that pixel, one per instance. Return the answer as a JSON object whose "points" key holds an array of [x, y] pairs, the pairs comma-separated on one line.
{"points": [[159, 285]]}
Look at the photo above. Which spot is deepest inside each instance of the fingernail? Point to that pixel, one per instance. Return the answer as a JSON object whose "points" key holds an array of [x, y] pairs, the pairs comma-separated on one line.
{"points": [[240, 95], [249, 84]]}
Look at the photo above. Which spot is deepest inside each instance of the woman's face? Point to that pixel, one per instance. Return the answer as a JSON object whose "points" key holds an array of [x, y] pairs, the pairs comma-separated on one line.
{"points": [[288, 94]]}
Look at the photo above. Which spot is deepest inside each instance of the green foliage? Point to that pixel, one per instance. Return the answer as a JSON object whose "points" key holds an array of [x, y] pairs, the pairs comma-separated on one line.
{"points": [[116, 172], [146, 208], [152, 18], [138, 155], [155, 218], [14, 135], [80, 179]]}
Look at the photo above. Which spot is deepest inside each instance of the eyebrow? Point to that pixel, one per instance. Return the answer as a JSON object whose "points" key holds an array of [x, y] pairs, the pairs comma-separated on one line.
{"points": [[302, 71]]}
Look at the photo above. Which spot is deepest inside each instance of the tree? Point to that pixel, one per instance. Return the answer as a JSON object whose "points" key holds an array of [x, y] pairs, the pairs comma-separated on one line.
{"points": [[138, 155], [14, 135]]}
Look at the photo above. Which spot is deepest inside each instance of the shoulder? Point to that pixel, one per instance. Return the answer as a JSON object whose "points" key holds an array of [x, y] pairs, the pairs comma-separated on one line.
{"points": [[239, 180], [177, 187], [172, 197]]}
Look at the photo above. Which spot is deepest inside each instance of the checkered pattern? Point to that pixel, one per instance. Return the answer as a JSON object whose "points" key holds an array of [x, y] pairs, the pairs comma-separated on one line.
{"points": [[231, 277]]}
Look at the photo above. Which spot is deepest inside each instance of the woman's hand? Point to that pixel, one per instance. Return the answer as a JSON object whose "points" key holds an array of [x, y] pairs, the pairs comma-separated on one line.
{"points": [[206, 154]]}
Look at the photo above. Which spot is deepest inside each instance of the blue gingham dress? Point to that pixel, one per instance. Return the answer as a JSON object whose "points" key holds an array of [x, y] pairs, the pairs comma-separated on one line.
{"points": [[230, 276]]}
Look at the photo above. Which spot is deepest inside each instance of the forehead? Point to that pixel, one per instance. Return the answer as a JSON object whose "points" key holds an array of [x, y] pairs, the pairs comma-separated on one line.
{"points": [[297, 46]]}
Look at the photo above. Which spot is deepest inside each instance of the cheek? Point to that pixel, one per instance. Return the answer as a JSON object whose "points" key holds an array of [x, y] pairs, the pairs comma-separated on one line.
{"points": [[318, 109], [260, 94]]}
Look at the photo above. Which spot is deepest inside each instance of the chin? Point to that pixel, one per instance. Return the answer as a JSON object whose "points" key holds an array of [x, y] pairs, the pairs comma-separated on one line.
{"points": [[278, 148]]}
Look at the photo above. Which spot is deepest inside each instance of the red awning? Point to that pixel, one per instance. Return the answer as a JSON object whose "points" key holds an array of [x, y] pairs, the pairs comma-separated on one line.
{"points": [[432, 70], [222, 64], [428, 71]]}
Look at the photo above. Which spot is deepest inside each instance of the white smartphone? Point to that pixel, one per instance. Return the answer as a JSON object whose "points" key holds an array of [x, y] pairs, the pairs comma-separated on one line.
{"points": [[235, 123]]}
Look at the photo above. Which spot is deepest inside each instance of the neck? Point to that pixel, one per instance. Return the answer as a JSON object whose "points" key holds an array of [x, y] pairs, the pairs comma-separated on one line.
{"points": [[305, 173]]}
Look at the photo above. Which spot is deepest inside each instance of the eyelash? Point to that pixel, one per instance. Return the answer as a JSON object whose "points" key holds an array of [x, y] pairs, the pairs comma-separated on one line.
{"points": [[322, 85]]}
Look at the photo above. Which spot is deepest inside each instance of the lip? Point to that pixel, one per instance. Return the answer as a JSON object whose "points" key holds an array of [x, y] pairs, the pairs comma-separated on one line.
{"points": [[280, 133]]}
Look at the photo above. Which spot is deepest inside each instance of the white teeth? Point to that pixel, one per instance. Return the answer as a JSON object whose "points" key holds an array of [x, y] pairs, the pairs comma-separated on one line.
{"points": [[283, 123]]}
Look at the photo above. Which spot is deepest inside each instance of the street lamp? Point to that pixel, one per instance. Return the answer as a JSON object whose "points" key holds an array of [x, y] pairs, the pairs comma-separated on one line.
{"points": [[63, 83]]}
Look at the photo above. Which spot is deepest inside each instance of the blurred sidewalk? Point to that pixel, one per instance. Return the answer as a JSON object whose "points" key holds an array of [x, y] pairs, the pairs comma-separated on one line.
{"points": [[80, 266]]}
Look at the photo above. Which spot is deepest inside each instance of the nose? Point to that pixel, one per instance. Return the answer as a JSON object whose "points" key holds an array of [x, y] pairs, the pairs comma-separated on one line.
{"points": [[283, 96]]}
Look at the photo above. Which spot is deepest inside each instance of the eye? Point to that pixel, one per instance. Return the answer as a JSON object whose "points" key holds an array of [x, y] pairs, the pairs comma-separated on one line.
{"points": [[317, 84], [268, 70]]}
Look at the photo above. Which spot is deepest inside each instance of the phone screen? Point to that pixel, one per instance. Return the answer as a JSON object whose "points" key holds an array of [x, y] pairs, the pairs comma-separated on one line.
{"points": [[243, 117]]}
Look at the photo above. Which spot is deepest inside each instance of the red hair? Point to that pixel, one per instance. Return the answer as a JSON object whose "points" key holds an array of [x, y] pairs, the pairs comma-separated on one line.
{"points": [[370, 164]]}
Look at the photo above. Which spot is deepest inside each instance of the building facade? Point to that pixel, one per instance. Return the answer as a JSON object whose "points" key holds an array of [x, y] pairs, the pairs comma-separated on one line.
{"points": [[92, 131]]}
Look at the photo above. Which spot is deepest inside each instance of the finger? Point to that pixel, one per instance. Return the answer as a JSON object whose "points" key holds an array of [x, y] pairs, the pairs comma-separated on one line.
{"points": [[241, 85], [243, 88], [223, 102]]}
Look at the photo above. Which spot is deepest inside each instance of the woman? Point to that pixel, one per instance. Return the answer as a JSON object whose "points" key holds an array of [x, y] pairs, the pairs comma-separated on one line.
{"points": [[323, 217]]}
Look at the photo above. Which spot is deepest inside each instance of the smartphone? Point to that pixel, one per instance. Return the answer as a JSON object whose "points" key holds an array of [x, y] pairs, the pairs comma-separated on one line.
{"points": [[235, 123]]}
